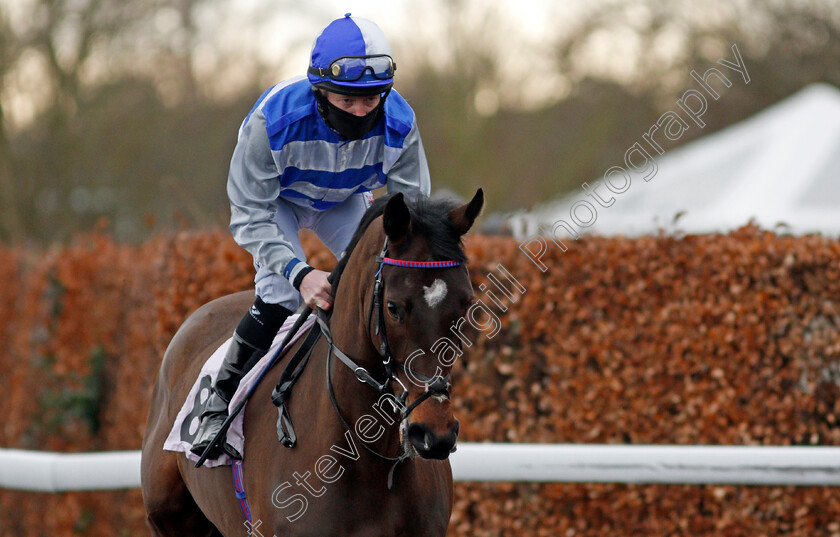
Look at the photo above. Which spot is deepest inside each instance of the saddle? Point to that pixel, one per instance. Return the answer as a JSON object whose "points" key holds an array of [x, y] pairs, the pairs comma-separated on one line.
{"points": [[185, 426]]}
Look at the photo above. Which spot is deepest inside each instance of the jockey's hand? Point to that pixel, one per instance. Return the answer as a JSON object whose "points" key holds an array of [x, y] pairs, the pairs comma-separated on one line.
{"points": [[315, 290]]}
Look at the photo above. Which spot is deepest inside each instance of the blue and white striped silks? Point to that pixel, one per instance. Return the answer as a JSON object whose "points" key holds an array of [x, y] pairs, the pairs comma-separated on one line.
{"points": [[286, 151]]}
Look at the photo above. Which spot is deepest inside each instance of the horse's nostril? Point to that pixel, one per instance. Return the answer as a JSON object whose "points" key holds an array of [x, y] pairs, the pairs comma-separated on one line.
{"points": [[422, 438], [418, 436], [428, 444]]}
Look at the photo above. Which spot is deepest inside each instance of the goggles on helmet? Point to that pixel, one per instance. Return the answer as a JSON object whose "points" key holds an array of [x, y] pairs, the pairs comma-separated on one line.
{"points": [[353, 68]]}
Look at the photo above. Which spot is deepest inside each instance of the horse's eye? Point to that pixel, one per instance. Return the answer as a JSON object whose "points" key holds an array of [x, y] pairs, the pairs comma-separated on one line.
{"points": [[396, 311]]}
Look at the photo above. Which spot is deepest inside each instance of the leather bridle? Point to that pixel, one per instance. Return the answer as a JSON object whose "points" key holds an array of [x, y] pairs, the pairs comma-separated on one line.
{"points": [[434, 385]]}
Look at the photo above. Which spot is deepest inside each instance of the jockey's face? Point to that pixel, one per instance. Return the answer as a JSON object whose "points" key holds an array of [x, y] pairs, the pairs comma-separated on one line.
{"points": [[358, 106]]}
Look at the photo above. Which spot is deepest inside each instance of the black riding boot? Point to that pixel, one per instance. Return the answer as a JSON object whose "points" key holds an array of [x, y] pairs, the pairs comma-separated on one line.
{"points": [[259, 326], [240, 355]]}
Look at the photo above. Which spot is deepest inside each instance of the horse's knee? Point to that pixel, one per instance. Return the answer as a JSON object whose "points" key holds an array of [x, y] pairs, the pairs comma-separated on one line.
{"points": [[160, 515], [164, 495], [178, 518], [153, 527]]}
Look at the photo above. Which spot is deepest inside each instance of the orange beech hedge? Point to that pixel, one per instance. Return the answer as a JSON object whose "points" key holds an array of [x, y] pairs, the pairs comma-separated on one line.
{"points": [[713, 339]]}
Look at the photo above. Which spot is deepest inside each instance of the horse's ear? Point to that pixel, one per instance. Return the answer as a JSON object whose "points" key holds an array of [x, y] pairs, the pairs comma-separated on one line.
{"points": [[464, 216], [396, 219]]}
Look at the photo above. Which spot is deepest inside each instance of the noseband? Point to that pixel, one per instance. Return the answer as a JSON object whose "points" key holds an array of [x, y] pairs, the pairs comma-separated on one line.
{"points": [[434, 385]]}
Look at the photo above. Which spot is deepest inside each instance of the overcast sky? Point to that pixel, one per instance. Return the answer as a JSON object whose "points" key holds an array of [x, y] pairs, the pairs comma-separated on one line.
{"points": [[282, 36]]}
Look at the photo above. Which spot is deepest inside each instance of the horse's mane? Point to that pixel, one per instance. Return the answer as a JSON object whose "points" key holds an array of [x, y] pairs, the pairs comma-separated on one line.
{"points": [[429, 219]]}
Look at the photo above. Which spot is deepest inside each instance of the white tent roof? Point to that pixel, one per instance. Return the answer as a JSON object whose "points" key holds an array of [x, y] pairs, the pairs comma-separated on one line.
{"points": [[778, 167]]}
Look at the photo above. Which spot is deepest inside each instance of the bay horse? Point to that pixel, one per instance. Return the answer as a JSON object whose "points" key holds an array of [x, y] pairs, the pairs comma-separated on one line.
{"points": [[367, 462]]}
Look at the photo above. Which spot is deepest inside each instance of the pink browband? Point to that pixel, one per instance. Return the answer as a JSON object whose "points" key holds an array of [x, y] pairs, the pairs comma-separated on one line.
{"points": [[419, 264]]}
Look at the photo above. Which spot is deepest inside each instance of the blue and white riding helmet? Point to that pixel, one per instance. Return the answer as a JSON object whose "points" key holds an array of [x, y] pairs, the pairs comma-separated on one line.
{"points": [[351, 56]]}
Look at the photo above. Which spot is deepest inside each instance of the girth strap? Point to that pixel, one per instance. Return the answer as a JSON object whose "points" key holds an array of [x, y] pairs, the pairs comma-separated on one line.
{"points": [[239, 489]]}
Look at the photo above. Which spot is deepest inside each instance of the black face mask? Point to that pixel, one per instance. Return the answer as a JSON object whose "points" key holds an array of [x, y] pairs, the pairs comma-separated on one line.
{"points": [[349, 126]]}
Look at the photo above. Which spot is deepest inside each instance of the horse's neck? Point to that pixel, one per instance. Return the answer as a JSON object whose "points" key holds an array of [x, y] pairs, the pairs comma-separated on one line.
{"points": [[349, 320]]}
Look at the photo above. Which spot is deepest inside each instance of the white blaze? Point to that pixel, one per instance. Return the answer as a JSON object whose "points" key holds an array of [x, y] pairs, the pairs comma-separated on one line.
{"points": [[435, 293]]}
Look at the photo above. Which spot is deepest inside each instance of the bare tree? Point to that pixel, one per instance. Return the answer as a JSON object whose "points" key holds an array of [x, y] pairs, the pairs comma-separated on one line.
{"points": [[66, 32], [787, 43]]}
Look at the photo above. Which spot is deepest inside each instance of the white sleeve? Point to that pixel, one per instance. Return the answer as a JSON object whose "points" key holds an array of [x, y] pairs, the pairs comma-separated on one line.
{"points": [[253, 187], [410, 173]]}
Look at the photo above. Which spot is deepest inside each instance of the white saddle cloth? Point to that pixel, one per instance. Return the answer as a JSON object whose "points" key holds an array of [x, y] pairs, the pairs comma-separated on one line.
{"points": [[186, 423]]}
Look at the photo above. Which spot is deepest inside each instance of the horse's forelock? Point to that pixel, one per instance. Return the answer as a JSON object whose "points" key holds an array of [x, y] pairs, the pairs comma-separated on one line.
{"points": [[429, 219]]}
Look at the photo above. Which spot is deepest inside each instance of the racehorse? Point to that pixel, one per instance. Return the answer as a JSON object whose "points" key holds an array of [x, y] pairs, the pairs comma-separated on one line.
{"points": [[367, 462]]}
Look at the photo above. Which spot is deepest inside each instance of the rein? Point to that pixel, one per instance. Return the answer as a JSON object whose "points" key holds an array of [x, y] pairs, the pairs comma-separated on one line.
{"points": [[294, 369], [434, 385]]}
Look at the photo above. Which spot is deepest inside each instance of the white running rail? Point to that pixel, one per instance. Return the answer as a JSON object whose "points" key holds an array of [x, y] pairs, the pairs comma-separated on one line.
{"points": [[559, 463]]}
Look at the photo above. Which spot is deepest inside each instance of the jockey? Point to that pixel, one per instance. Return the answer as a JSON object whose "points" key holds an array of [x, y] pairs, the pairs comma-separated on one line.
{"points": [[307, 156]]}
